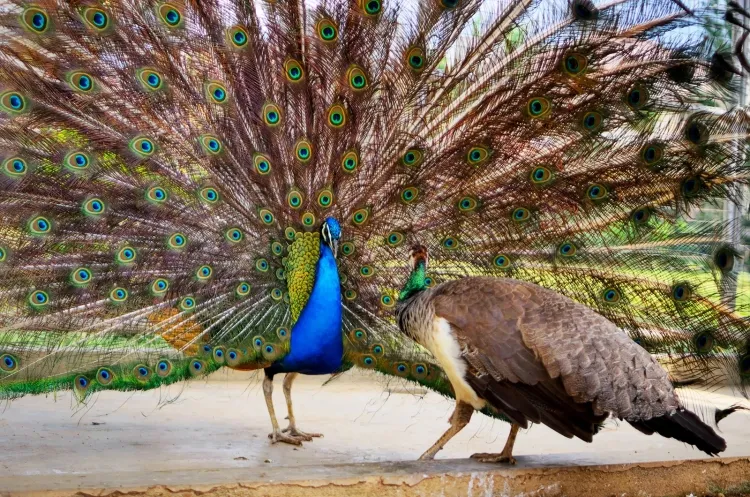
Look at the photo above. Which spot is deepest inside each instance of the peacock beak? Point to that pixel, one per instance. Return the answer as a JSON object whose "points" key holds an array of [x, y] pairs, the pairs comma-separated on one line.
{"points": [[335, 248]]}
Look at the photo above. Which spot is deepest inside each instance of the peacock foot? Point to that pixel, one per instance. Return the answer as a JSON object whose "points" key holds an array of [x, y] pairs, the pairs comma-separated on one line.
{"points": [[301, 435], [277, 436], [490, 457]]}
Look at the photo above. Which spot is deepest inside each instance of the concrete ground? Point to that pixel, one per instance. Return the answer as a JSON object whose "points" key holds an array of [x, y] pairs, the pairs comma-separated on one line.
{"points": [[216, 430]]}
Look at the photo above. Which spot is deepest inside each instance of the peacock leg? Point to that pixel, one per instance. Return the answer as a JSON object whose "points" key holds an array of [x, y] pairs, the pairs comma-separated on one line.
{"points": [[460, 418], [292, 428], [276, 435], [506, 455]]}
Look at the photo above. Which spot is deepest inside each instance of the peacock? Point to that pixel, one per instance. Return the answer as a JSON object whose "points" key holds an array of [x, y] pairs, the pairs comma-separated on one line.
{"points": [[188, 185]]}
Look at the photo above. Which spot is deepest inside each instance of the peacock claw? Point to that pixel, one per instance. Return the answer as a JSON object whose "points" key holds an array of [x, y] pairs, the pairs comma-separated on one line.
{"points": [[307, 437], [277, 436], [496, 458]]}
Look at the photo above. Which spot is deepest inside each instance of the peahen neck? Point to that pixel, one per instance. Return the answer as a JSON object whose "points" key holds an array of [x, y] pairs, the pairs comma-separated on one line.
{"points": [[316, 344], [416, 283]]}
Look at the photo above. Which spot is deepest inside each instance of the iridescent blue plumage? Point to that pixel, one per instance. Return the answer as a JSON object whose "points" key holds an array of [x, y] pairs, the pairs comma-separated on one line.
{"points": [[316, 346]]}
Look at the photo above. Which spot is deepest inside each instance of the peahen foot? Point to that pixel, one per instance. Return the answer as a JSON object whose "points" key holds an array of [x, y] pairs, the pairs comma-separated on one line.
{"points": [[506, 456], [490, 457], [294, 432]]}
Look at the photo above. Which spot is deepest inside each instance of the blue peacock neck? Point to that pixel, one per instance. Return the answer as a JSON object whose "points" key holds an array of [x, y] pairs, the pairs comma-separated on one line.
{"points": [[316, 344]]}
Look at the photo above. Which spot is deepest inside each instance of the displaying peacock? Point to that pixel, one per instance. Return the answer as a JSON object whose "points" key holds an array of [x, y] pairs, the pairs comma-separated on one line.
{"points": [[192, 185]]}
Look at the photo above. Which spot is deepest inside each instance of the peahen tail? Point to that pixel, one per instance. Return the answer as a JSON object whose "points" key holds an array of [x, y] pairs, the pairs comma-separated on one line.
{"points": [[166, 165]]}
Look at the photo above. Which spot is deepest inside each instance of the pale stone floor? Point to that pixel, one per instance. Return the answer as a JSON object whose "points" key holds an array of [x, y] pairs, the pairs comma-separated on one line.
{"points": [[223, 423]]}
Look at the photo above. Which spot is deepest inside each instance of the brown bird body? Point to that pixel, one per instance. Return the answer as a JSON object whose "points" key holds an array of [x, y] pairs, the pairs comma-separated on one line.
{"points": [[539, 357]]}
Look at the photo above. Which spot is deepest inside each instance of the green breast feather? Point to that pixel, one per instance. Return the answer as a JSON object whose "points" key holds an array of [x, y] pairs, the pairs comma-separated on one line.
{"points": [[300, 268]]}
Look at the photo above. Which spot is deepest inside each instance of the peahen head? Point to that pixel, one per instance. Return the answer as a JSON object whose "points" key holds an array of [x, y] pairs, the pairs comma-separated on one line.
{"points": [[330, 232], [417, 282]]}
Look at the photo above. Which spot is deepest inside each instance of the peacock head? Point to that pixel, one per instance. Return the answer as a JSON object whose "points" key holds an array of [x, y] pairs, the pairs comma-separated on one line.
{"points": [[417, 282], [330, 232]]}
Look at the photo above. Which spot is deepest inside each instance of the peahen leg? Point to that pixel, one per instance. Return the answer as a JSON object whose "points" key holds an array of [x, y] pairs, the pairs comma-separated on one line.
{"points": [[506, 455], [276, 435], [460, 418], [292, 428]]}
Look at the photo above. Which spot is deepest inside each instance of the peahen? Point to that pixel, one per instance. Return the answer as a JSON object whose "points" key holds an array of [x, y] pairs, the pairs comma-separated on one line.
{"points": [[535, 355], [192, 185]]}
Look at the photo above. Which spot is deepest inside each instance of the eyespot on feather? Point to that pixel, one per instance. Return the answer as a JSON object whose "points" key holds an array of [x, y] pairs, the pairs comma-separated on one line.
{"points": [[15, 168], [293, 71], [170, 14], [327, 30], [35, 19]]}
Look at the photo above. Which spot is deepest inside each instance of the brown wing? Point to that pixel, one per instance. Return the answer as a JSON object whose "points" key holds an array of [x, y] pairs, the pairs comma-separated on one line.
{"points": [[533, 351]]}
